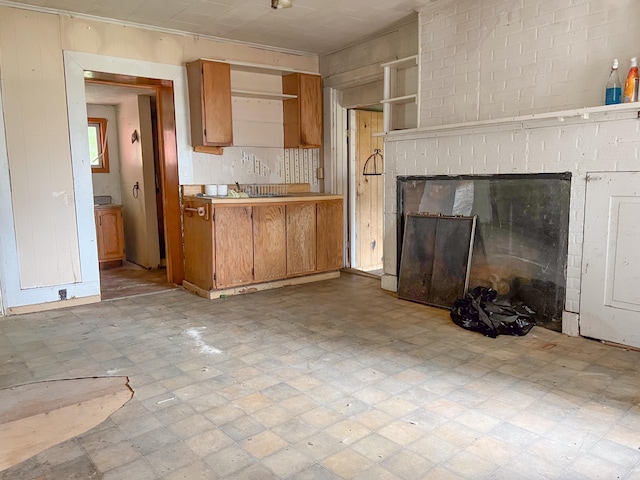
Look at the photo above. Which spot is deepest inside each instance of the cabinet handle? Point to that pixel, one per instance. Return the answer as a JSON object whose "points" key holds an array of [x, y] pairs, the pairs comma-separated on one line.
{"points": [[201, 211]]}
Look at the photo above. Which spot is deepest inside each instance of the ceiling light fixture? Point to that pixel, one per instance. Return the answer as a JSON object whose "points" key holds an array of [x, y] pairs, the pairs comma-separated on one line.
{"points": [[281, 4]]}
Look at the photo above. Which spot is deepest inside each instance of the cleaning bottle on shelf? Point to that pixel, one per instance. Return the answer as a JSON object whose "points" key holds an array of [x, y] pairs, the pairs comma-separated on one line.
{"points": [[631, 85], [613, 92]]}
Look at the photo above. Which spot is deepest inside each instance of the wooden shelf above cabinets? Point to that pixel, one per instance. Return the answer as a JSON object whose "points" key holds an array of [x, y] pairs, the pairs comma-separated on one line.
{"points": [[210, 105], [215, 93], [263, 95]]}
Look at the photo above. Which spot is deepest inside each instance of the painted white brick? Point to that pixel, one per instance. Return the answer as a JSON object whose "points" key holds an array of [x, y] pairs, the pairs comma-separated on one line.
{"points": [[584, 22], [561, 52], [572, 305], [538, 20]]}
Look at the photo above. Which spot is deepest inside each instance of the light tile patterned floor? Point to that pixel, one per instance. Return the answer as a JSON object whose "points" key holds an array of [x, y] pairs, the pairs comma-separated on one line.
{"points": [[332, 380]]}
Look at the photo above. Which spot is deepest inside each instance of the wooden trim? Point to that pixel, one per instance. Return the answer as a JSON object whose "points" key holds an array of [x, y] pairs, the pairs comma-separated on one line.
{"points": [[207, 149], [170, 185], [104, 141], [258, 287], [44, 307]]}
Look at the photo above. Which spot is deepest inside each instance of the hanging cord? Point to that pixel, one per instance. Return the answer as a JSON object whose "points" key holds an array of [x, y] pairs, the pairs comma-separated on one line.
{"points": [[135, 191]]}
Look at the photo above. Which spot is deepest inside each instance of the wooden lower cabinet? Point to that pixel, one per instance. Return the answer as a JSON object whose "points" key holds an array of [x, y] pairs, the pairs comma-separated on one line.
{"points": [[199, 244], [230, 245], [234, 245], [329, 242], [301, 238], [269, 237], [109, 233]]}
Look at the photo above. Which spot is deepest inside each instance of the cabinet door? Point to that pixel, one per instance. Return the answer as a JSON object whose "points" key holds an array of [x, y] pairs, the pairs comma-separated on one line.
{"points": [[302, 115], [234, 246], [269, 240], [301, 238], [199, 246], [110, 234], [210, 103], [330, 228], [310, 97]]}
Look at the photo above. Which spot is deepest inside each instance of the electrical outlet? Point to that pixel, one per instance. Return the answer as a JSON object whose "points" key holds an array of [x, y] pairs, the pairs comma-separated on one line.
{"points": [[62, 294]]}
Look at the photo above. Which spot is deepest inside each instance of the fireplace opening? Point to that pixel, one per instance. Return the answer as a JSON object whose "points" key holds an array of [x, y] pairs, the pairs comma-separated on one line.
{"points": [[521, 237]]}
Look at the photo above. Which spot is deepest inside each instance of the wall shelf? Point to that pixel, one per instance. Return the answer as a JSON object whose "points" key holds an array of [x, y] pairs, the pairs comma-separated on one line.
{"points": [[400, 98], [521, 122], [405, 62], [263, 95]]}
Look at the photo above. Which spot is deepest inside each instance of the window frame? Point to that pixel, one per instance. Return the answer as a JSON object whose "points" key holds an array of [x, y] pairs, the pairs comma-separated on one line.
{"points": [[102, 131]]}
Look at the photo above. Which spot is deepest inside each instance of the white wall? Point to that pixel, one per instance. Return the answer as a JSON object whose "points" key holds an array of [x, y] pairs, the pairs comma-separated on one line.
{"points": [[352, 77], [139, 204], [37, 145], [108, 183], [495, 59]]}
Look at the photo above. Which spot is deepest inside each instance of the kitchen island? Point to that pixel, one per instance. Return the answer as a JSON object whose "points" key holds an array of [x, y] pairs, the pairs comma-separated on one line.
{"points": [[241, 245]]}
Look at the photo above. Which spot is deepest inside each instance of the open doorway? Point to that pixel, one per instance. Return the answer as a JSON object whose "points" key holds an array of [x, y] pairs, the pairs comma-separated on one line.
{"points": [[137, 183], [366, 189]]}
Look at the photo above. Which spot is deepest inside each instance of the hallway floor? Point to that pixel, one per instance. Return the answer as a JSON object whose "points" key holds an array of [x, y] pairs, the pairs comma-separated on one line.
{"points": [[332, 380], [130, 279]]}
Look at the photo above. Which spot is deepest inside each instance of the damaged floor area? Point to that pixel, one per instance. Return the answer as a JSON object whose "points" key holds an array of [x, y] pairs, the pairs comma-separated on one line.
{"points": [[332, 380]]}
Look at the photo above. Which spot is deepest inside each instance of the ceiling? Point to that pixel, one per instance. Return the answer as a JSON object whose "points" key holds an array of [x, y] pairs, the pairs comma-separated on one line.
{"points": [[313, 26], [102, 94]]}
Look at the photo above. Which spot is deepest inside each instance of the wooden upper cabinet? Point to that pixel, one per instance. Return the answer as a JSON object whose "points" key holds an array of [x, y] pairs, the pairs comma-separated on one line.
{"points": [[329, 227], [269, 239], [302, 115], [234, 245], [210, 104]]}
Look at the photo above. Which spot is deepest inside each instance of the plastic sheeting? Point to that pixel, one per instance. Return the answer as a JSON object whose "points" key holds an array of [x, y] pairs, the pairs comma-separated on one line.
{"points": [[481, 312]]}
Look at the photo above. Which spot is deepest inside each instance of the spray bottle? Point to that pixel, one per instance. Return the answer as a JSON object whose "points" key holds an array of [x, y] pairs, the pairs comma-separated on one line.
{"points": [[613, 92], [631, 85]]}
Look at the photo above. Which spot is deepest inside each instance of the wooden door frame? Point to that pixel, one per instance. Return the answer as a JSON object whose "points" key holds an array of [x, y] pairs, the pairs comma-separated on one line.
{"points": [[170, 185]]}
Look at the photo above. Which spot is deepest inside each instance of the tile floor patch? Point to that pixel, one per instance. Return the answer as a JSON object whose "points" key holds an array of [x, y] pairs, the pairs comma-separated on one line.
{"points": [[327, 381]]}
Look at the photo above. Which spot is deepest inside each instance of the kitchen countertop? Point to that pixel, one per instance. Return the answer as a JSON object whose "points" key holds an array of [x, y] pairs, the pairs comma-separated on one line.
{"points": [[293, 197], [107, 205]]}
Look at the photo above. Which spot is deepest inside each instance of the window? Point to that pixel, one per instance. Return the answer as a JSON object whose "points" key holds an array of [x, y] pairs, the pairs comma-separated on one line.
{"points": [[98, 149]]}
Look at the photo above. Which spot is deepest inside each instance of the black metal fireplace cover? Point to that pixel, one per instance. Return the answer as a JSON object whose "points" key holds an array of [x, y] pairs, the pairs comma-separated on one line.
{"points": [[522, 231], [434, 267]]}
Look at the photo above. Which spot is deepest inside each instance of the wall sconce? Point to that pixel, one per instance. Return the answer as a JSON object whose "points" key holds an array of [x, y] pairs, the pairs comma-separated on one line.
{"points": [[281, 4]]}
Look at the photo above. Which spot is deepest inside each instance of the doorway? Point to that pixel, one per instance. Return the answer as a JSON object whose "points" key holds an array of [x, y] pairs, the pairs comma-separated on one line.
{"points": [[148, 183], [366, 189]]}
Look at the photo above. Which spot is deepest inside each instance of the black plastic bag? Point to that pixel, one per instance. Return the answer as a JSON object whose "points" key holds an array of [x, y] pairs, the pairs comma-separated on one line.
{"points": [[479, 311]]}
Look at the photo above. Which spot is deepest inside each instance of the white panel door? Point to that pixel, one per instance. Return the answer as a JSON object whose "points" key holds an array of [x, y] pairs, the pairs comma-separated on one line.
{"points": [[610, 296]]}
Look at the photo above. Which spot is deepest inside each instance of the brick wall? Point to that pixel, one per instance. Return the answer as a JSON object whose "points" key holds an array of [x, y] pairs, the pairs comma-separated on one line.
{"points": [[484, 59], [494, 59]]}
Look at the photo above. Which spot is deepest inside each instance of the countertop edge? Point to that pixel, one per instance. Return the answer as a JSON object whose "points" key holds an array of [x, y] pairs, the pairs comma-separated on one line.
{"points": [[296, 197]]}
